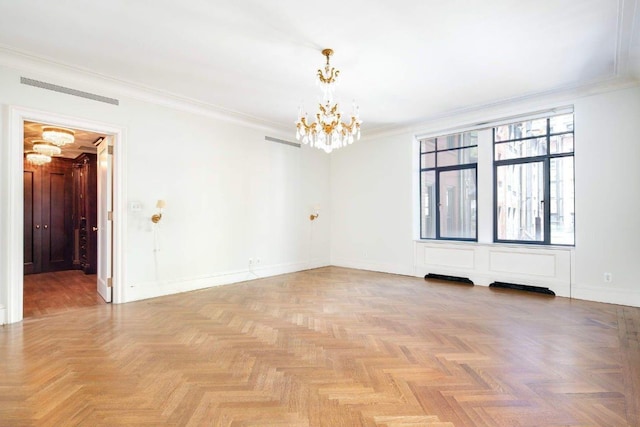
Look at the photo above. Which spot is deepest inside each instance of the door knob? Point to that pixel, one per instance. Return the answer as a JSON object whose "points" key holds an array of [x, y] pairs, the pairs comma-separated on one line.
{"points": [[46, 226], [37, 226], [95, 228]]}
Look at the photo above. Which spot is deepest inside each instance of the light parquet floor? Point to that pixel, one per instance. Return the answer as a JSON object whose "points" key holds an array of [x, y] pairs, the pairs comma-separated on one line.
{"points": [[55, 292], [327, 347]]}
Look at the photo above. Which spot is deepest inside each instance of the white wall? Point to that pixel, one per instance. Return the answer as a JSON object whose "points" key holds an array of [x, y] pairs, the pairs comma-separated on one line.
{"points": [[371, 202], [230, 194], [374, 197]]}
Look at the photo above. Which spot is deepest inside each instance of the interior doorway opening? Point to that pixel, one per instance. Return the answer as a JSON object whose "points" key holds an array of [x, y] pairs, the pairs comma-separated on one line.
{"points": [[111, 169], [60, 222]]}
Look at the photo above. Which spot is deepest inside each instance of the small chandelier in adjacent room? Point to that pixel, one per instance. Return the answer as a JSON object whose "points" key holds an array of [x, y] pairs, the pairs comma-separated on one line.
{"points": [[58, 136], [37, 159], [328, 131], [45, 147]]}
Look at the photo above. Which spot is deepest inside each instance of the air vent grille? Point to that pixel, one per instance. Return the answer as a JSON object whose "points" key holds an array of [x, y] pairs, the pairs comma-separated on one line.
{"points": [[281, 141], [68, 91]]}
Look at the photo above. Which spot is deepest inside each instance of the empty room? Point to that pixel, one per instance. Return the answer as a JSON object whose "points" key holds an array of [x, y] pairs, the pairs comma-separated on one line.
{"points": [[337, 214]]}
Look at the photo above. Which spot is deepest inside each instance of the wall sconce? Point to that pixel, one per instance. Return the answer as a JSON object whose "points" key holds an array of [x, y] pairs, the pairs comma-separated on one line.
{"points": [[315, 214], [155, 218]]}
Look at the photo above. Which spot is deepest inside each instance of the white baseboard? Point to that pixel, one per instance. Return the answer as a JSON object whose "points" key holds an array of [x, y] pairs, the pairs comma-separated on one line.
{"points": [[3, 315], [405, 270], [147, 290], [610, 296]]}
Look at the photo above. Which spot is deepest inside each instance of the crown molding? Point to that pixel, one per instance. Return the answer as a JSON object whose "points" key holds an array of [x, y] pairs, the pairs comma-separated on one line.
{"points": [[52, 71], [473, 116]]}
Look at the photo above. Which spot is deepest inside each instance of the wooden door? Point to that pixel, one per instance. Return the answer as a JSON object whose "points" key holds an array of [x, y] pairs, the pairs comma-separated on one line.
{"points": [[32, 220], [105, 208], [48, 222], [57, 217]]}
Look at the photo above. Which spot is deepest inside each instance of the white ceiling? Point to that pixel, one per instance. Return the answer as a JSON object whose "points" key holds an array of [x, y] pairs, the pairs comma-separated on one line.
{"points": [[403, 61]]}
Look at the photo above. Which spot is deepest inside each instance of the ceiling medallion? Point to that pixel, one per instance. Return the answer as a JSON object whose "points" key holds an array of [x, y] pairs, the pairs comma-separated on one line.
{"points": [[328, 131]]}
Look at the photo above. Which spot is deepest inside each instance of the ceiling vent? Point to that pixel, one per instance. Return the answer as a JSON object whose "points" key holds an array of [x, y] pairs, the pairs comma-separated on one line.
{"points": [[281, 141], [68, 91]]}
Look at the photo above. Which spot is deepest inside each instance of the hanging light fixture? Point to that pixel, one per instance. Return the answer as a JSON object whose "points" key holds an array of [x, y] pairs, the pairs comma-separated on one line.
{"points": [[58, 136], [38, 159], [328, 131], [45, 147]]}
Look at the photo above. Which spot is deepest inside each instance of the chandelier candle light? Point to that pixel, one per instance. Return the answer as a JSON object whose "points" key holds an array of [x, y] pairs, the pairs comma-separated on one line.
{"points": [[328, 132]]}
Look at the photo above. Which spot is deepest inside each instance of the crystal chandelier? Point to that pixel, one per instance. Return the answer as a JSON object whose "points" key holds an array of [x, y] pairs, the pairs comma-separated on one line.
{"points": [[45, 147], [58, 136], [38, 159], [328, 131]]}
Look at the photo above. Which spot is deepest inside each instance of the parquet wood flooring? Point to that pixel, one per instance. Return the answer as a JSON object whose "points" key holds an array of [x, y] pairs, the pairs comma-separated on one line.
{"points": [[55, 292], [327, 347]]}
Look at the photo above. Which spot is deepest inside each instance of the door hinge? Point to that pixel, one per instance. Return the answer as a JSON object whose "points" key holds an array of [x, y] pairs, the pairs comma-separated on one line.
{"points": [[109, 282], [110, 216]]}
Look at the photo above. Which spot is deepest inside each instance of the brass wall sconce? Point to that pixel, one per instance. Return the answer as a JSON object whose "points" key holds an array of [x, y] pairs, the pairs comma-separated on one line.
{"points": [[155, 218], [315, 213]]}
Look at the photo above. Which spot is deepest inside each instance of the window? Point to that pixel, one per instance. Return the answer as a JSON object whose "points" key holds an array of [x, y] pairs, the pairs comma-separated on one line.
{"points": [[448, 176], [534, 187]]}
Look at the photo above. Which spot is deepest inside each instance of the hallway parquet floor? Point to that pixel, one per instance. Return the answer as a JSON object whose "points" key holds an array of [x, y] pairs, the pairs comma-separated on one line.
{"points": [[48, 293], [327, 347]]}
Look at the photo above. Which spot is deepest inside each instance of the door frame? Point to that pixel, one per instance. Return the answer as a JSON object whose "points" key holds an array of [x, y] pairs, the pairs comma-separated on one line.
{"points": [[15, 201]]}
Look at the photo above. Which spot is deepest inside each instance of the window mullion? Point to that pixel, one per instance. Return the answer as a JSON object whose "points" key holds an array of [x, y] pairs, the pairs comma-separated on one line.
{"points": [[547, 201]]}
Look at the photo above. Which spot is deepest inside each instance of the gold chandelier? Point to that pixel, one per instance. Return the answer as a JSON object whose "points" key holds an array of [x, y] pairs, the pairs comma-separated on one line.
{"points": [[328, 131]]}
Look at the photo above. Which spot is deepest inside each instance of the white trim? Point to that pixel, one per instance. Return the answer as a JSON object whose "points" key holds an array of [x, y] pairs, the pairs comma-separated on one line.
{"points": [[15, 199], [502, 108], [382, 267], [613, 295], [157, 289], [55, 72], [487, 124]]}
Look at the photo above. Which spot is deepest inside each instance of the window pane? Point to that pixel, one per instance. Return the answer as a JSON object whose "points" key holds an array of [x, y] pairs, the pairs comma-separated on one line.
{"points": [[561, 143], [520, 130], [427, 145], [458, 140], [428, 205], [458, 157], [458, 204], [428, 160], [562, 123], [520, 207], [562, 206], [520, 149]]}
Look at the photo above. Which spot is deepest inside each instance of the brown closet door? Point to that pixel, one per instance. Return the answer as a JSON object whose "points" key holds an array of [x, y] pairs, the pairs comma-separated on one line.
{"points": [[32, 220], [48, 221], [57, 217]]}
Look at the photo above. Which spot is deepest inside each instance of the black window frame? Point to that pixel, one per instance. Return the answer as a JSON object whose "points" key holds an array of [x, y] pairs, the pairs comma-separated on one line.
{"points": [[545, 159], [437, 171]]}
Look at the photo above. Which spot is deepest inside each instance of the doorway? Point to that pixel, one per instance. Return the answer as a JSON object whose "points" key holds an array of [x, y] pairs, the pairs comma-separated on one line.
{"points": [[60, 221], [14, 219]]}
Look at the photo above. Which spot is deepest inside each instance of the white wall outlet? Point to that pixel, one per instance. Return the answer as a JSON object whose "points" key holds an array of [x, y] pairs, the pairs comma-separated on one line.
{"points": [[250, 261], [135, 206], [257, 260], [607, 277]]}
